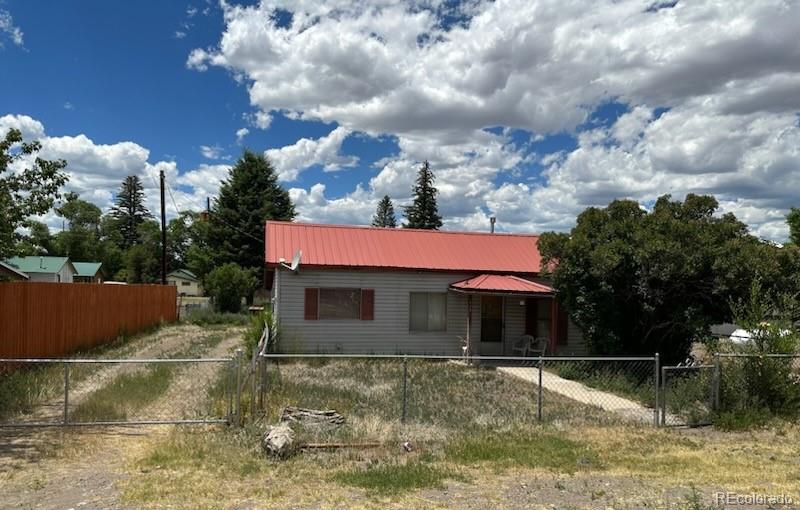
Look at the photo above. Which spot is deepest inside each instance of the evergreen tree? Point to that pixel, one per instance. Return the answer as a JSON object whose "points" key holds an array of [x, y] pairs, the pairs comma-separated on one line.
{"points": [[247, 198], [423, 211], [141, 263], [129, 210], [384, 216]]}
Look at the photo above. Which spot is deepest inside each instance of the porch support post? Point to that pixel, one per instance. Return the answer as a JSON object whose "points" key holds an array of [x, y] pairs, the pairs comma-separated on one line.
{"points": [[553, 325], [469, 323]]}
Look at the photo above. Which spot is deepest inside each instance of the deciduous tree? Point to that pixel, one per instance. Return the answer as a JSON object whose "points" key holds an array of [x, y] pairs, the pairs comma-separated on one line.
{"points": [[24, 192], [80, 241], [793, 219], [639, 282], [228, 284]]}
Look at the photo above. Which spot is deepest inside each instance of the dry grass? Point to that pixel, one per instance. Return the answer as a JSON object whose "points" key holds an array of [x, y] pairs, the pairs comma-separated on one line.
{"points": [[476, 444], [214, 468]]}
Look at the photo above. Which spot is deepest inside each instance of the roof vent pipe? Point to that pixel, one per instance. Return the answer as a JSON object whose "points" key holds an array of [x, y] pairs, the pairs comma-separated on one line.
{"points": [[41, 262], [492, 221]]}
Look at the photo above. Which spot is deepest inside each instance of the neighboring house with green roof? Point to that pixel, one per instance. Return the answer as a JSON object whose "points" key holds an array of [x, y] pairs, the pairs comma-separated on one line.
{"points": [[88, 272], [44, 269], [187, 282], [10, 273]]}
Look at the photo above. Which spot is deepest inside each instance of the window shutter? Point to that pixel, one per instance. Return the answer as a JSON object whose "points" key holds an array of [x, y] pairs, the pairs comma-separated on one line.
{"points": [[562, 327], [312, 304], [367, 304]]}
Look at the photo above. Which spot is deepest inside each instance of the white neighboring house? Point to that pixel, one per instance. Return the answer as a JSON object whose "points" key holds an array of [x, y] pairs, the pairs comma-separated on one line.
{"points": [[44, 269], [187, 282]]}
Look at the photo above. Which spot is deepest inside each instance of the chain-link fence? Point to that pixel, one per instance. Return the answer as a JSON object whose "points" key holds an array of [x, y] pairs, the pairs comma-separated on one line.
{"points": [[45, 392], [431, 397]]}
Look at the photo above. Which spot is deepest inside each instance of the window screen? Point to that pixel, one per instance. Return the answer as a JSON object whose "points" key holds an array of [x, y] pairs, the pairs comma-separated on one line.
{"points": [[339, 303], [428, 311]]}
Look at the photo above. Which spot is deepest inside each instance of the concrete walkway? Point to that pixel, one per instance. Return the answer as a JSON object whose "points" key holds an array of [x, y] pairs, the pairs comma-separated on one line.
{"points": [[579, 392]]}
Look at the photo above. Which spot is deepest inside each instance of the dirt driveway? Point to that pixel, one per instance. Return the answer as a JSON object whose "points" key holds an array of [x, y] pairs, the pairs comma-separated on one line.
{"points": [[79, 468]]}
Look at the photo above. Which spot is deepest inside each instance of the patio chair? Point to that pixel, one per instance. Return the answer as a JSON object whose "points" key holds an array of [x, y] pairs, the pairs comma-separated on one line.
{"points": [[523, 346], [539, 346]]}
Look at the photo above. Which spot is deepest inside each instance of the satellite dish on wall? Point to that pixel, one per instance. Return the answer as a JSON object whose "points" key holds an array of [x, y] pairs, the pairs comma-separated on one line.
{"points": [[295, 261]]}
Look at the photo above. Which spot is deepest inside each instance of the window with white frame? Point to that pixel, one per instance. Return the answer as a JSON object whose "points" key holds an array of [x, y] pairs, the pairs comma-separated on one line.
{"points": [[428, 311]]}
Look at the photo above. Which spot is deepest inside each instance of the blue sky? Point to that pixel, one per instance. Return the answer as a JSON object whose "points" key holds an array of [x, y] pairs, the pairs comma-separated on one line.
{"points": [[529, 112]]}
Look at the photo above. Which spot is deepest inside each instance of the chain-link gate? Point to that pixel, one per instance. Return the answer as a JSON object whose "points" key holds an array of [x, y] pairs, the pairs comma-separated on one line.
{"points": [[688, 395], [74, 392]]}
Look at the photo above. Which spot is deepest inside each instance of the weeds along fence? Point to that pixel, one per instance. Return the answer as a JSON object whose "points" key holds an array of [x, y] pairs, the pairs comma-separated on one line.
{"points": [[738, 386], [753, 385], [431, 397], [74, 392], [52, 319]]}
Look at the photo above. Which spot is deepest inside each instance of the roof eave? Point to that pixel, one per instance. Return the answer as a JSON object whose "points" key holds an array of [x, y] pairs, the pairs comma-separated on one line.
{"points": [[273, 265], [490, 292]]}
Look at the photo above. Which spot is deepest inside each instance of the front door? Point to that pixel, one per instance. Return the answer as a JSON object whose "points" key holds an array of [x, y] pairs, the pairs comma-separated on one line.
{"points": [[491, 324]]}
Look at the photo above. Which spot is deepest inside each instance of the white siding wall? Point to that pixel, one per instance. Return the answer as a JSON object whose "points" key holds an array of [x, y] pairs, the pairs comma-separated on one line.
{"points": [[193, 289], [42, 277], [389, 331], [66, 273]]}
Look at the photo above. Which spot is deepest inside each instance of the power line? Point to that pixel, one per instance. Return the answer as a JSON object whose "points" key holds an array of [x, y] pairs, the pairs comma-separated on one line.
{"points": [[243, 232], [248, 234], [173, 200]]}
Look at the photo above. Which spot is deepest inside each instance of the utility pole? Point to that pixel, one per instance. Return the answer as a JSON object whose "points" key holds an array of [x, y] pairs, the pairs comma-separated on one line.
{"points": [[163, 233]]}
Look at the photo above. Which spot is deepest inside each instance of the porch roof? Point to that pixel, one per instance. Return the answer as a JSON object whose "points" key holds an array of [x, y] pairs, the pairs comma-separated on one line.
{"points": [[505, 284]]}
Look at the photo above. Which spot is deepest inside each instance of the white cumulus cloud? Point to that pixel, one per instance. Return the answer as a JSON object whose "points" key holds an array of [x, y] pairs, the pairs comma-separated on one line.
{"points": [[710, 88], [291, 160]]}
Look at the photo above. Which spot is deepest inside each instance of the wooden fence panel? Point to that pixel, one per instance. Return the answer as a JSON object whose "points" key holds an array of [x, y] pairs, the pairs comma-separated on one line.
{"points": [[45, 320]]}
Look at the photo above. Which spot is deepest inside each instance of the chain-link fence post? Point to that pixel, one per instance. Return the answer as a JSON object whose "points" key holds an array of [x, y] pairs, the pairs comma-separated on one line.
{"points": [[262, 386], [716, 383], [405, 389], [238, 389], [66, 393], [229, 382], [539, 394], [663, 396], [656, 387]]}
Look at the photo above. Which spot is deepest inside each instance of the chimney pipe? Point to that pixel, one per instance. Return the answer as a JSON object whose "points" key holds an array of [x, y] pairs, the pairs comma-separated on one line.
{"points": [[492, 221]]}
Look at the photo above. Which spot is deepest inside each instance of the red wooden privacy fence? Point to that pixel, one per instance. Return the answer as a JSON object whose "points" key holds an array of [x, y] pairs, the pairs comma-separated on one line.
{"points": [[54, 319]]}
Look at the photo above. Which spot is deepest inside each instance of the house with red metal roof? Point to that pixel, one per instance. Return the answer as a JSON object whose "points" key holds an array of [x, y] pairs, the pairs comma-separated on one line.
{"points": [[350, 289]]}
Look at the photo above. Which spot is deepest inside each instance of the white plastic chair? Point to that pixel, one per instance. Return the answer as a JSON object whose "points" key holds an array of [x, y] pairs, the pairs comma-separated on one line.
{"points": [[523, 346]]}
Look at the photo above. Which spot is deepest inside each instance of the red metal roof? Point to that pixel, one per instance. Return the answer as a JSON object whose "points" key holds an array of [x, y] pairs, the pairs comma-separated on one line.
{"points": [[400, 248], [501, 283]]}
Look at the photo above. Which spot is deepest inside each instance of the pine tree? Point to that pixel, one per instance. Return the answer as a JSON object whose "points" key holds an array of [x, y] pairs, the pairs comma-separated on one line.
{"points": [[247, 198], [384, 216], [129, 210], [423, 211]]}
